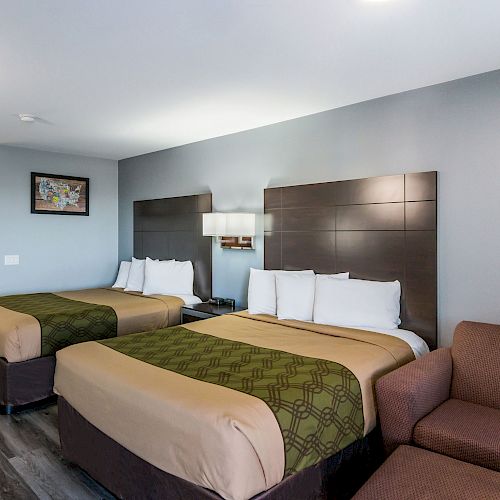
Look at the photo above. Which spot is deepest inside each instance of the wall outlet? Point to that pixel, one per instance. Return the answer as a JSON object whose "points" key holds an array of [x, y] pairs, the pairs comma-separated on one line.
{"points": [[11, 260]]}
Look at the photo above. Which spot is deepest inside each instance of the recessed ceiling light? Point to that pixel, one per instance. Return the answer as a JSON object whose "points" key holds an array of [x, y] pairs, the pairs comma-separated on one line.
{"points": [[26, 118]]}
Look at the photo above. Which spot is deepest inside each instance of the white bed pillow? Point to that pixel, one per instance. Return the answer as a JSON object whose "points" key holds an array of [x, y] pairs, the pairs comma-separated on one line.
{"points": [[123, 272], [357, 303], [262, 290], [295, 296], [168, 277], [135, 281]]}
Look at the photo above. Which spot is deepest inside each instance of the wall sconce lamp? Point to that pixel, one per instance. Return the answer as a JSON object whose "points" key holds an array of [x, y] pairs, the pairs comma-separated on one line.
{"points": [[233, 230]]}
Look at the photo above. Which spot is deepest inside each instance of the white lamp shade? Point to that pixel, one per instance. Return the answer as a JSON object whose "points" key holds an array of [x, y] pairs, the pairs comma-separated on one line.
{"points": [[228, 224]]}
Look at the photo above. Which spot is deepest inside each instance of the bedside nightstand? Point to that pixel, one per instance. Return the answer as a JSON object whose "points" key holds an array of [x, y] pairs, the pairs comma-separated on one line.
{"points": [[196, 312]]}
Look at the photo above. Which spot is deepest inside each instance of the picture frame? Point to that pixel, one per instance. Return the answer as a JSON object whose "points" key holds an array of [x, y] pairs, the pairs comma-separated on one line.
{"points": [[59, 194]]}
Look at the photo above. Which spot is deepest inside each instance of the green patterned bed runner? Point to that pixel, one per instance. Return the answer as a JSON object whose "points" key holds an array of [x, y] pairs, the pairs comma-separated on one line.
{"points": [[317, 403], [64, 322]]}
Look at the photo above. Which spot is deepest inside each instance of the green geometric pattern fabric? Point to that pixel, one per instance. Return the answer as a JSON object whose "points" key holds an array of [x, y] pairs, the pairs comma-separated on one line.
{"points": [[64, 322], [317, 403]]}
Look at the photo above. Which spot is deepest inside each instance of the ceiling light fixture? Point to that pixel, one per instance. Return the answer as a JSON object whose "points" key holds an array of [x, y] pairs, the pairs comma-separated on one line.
{"points": [[26, 118]]}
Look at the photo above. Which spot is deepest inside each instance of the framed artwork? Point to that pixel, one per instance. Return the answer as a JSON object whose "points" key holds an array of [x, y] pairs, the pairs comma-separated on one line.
{"points": [[59, 194]]}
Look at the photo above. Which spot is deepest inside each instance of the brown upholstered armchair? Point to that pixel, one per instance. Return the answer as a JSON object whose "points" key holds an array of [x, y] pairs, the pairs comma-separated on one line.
{"points": [[449, 400]]}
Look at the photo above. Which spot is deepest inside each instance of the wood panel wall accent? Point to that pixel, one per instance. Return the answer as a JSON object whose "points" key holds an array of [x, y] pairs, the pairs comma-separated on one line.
{"points": [[171, 228], [380, 228]]}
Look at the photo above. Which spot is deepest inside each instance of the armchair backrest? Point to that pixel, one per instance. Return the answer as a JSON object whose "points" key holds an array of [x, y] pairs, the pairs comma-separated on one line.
{"points": [[476, 363]]}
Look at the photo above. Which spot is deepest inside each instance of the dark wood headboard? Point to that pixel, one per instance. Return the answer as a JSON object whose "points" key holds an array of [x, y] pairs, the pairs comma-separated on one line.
{"points": [[171, 228], [380, 228]]}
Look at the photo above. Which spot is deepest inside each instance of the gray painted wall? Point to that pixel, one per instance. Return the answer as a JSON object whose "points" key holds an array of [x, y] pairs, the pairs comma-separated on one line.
{"points": [[453, 128], [56, 252]]}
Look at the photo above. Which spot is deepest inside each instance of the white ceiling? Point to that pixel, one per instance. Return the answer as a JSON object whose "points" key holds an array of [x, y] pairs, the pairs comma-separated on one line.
{"points": [[118, 78]]}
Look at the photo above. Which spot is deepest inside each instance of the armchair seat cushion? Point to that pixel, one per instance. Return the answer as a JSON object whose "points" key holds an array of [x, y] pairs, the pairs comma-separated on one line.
{"points": [[462, 430]]}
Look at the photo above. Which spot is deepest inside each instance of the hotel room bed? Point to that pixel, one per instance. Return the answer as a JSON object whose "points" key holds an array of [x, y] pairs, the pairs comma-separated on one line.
{"points": [[233, 404], [244, 407], [168, 228], [34, 326]]}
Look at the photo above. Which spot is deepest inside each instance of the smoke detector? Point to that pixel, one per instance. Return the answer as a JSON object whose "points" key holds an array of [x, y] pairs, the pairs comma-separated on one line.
{"points": [[26, 118]]}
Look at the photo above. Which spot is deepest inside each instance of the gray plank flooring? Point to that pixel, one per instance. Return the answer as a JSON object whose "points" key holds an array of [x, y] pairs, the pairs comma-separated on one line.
{"points": [[31, 465]]}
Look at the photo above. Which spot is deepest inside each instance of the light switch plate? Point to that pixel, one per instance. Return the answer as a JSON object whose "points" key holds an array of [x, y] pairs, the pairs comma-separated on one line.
{"points": [[11, 260]]}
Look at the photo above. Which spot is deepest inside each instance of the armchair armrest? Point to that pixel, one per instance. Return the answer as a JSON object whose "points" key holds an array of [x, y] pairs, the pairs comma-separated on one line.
{"points": [[409, 393]]}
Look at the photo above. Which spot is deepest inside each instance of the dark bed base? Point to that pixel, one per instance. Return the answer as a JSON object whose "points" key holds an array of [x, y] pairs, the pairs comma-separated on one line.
{"points": [[129, 477], [25, 383]]}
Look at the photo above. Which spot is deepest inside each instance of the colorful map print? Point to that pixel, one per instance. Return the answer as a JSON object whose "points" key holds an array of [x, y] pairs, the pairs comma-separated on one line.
{"points": [[60, 194]]}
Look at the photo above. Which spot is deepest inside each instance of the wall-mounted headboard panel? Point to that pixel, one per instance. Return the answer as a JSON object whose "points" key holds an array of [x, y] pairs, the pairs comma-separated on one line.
{"points": [[380, 228], [171, 228]]}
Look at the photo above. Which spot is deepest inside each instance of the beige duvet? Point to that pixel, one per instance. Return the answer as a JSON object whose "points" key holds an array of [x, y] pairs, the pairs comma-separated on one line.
{"points": [[20, 335], [216, 437]]}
